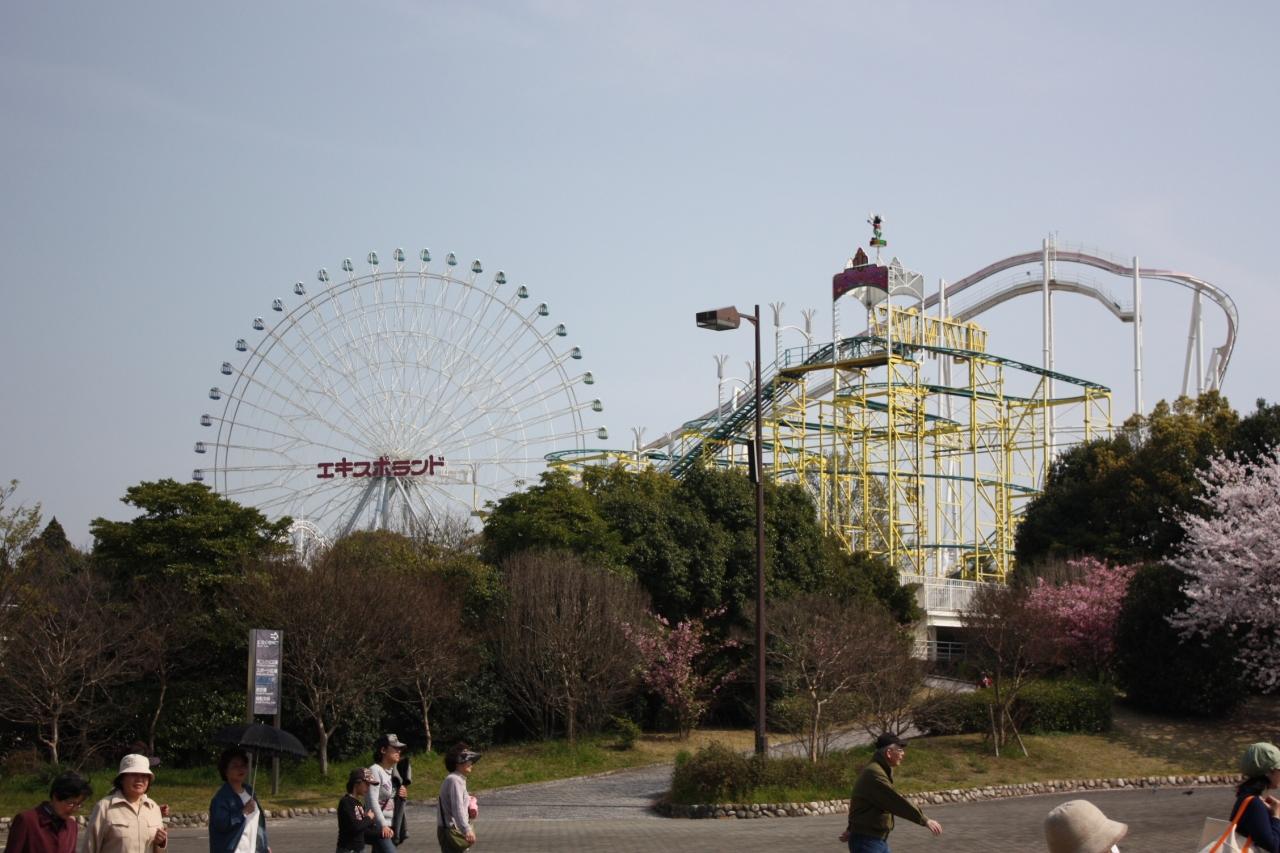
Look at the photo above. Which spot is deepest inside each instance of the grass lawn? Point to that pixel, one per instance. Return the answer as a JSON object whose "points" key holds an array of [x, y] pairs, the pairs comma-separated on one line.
{"points": [[301, 784], [1139, 745]]}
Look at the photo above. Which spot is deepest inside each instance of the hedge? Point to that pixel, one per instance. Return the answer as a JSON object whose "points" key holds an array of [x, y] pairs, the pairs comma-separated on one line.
{"points": [[1041, 707]]}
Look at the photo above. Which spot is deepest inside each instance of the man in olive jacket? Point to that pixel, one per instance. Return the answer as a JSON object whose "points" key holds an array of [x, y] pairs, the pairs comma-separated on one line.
{"points": [[875, 803]]}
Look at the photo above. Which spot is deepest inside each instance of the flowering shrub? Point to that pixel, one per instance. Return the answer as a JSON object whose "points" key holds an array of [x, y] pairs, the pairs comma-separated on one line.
{"points": [[676, 665], [1080, 616]]}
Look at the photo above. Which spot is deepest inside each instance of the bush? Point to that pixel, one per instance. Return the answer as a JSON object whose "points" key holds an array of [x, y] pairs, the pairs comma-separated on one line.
{"points": [[952, 714], [1065, 706], [627, 730], [715, 774], [1041, 707], [1157, 668]]}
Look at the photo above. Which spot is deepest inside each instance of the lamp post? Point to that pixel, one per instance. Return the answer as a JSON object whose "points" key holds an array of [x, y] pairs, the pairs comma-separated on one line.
{"points": [[723, 319]]}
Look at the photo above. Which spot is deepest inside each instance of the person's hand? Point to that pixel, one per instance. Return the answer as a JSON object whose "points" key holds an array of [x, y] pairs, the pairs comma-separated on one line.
{"points": [[403, 793], [1272, 804], [250, 806], [934, 827], [161, 837], [386, 832], [164, 810], [471, 837], [844, 837]]}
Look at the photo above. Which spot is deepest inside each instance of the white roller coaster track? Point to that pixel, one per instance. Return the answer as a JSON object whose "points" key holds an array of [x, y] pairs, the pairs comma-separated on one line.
{"points": [[1127, 310]]}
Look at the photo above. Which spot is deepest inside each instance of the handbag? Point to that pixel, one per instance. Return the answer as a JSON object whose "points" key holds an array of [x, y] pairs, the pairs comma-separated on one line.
{"points": [[1218, 836]]}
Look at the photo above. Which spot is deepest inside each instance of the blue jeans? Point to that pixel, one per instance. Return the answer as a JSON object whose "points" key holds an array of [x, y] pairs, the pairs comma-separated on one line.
{"points": [[867, 844], [383, 845]]}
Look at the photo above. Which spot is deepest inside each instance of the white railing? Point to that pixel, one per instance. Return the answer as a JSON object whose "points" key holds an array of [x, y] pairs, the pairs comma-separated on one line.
{"points": [[944, 595]]}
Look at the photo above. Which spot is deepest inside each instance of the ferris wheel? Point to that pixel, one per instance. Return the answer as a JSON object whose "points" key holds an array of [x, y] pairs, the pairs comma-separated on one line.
{"points": [[394, 399]]}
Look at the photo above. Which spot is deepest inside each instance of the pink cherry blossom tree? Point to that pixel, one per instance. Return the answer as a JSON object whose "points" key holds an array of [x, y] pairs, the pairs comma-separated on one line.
{"points": [[677, 664], [1080, 616], [1231, 556]]}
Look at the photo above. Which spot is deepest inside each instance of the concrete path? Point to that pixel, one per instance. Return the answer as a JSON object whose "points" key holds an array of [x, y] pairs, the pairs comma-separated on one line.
{"points": [[1159, 821]]}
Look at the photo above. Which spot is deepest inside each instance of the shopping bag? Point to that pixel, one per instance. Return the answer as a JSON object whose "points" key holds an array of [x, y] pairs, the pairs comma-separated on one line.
{"points": [[1220, 836]]}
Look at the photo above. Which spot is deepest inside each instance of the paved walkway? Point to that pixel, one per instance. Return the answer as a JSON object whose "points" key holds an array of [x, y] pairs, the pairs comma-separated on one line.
{"points": [[1159, 821]]}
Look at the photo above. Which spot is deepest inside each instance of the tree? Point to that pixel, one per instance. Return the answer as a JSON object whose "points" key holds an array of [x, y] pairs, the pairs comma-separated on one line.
{"points": [[852, 654], [1158, 668], [554, 515], [185, 533], [64, 646], [679, 665], [1119, 498], [338, 650], [1231, 557], [432, 647], [18, 524], [559, 643], [1005, 639], [1079, 616], [182, 559]]}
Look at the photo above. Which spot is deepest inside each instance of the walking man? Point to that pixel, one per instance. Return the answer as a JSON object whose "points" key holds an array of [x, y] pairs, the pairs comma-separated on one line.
{"points": [[875, 803]]}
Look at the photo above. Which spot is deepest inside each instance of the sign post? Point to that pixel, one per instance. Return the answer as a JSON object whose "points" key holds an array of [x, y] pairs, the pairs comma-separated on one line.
{"points": [[266, 648]]}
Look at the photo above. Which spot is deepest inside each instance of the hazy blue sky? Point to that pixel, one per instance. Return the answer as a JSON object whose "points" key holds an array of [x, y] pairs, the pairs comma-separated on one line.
{"points": [[168, 168]]}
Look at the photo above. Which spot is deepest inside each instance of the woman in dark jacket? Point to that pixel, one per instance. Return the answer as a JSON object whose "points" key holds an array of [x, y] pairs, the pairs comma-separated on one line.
{"points": [[1260, 822], [51, 826], [234, 810], [354, 821]]}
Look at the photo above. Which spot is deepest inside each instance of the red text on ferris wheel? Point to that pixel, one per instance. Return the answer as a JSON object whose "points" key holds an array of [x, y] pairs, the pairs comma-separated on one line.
{"points": [[382, 467]]}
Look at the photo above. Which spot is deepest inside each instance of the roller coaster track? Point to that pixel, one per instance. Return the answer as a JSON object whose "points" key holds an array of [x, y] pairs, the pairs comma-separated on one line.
{"points": [[736, 421]]}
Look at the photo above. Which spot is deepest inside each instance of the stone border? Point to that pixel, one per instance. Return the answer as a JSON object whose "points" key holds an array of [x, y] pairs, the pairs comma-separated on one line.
{"points": [[746, 811]]}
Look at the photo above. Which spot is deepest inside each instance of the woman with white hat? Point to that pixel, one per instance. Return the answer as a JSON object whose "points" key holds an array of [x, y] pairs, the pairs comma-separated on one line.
{"points": [[1260, 766], [1078, 826], [127, 820]]}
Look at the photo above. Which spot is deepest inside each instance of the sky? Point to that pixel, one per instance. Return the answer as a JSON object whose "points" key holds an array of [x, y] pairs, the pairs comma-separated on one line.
{"points": [[166, 169]]}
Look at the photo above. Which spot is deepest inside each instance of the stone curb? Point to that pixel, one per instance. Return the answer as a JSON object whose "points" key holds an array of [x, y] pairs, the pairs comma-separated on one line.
{"points": [[746, 811]]}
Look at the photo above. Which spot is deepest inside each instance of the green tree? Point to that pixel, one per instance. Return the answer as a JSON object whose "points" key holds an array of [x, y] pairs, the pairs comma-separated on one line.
{"points": [[185, 533], [181, 560], [1119, 498], [1258, 432], [1157, 667], [555, 515]]}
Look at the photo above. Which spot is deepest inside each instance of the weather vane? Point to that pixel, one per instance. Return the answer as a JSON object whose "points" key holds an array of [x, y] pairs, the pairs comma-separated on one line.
{"points": [[877, 235]]}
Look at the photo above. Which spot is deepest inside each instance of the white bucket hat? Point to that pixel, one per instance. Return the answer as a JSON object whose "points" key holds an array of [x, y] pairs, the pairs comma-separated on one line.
{"points": [[134, 763], [1078, 826]]}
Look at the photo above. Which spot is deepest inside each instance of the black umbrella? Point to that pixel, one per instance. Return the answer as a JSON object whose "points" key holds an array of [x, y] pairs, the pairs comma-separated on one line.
{"points": [[261, 740]]}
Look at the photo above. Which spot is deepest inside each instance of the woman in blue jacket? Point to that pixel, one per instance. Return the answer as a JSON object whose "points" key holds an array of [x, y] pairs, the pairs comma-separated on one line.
{"points": [[1260, 766], [236, 823]]}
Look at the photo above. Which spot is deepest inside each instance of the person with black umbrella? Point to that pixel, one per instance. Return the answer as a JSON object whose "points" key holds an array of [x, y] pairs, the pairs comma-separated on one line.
{"points": [[236, 822]]}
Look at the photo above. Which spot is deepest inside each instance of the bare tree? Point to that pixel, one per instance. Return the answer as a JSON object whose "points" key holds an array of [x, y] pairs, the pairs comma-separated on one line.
{"points": [[162, 639], [337, 629], [843, 661], [560, 643], [431, 646], [1005, 639], [64, 644]]}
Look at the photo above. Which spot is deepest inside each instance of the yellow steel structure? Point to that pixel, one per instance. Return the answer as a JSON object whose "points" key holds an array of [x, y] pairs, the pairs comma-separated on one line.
{"points": [[915, 442]]}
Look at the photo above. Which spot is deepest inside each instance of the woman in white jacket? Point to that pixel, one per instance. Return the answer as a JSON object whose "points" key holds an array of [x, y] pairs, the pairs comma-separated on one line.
{"points": [[453, 816]]}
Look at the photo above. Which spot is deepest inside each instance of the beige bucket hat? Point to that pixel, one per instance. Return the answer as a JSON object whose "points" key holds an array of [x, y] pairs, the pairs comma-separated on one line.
{"points": [[1078, 826], [134, 763]]}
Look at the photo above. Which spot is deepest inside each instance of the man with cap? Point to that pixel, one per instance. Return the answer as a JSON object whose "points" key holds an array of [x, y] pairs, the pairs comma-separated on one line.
{"points": [[1260, 823], [875, 803]]}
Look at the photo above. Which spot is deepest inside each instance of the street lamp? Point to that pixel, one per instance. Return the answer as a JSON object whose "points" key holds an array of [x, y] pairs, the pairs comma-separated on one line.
{"points": [[720, 320]]}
